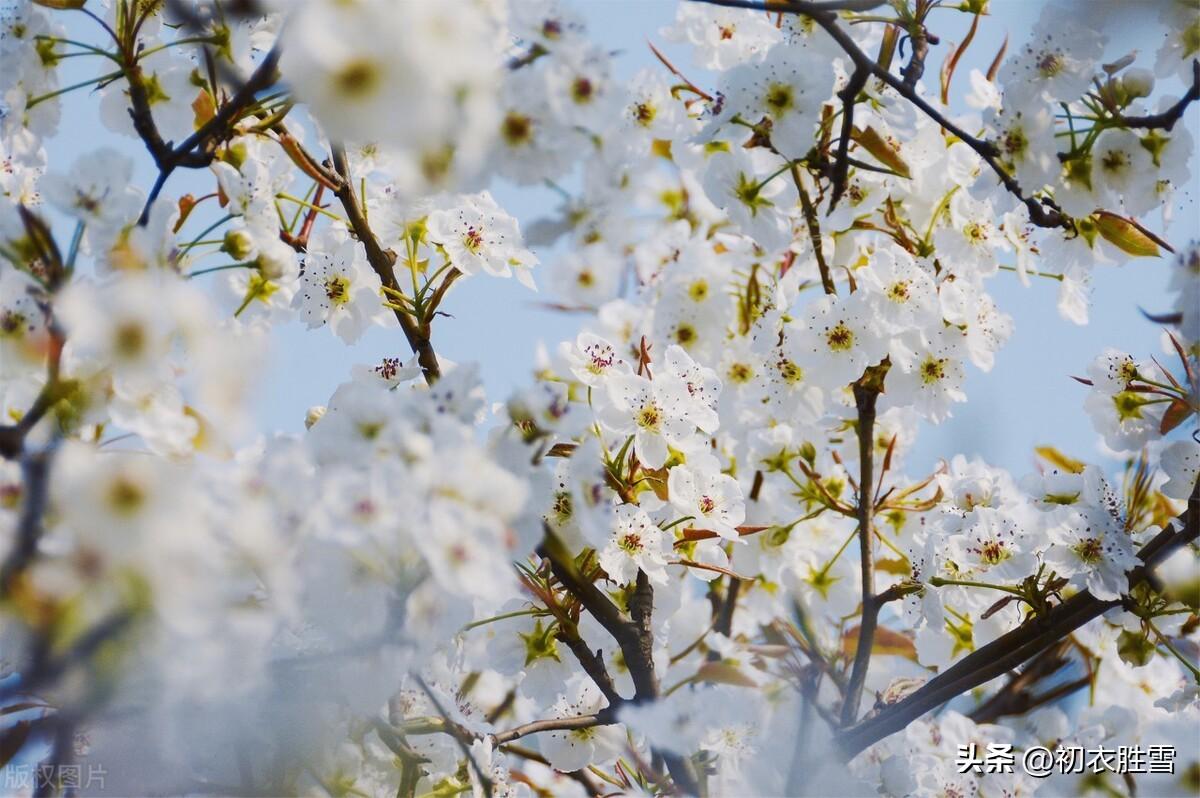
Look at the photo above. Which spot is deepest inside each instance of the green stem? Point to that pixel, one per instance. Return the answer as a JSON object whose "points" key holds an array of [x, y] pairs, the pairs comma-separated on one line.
{"points": [[937, 581], [227, 266], [309, 205], [502, 617], [1162, 638], [188, 40], [1047, 275], [91, 49], [206, 231], [49, 95]]}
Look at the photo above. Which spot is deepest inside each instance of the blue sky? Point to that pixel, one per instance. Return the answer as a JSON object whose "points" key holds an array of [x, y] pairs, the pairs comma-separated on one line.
{"points": [[1026, 400]]}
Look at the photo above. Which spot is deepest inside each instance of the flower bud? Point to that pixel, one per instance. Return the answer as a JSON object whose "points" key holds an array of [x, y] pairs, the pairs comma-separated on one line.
{"points": [[313, 415], [238, 244], [1138, 82], [275, 259]]}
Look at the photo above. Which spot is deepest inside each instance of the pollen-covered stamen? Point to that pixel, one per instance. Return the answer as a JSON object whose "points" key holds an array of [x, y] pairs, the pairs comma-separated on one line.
{"points": [[740, 373], [899, 291], [706, 504], [644, 113], [630, 543], [779, 98], [840, 338], [473, 239], [726, 31], [1050, 64], [1089, 550], [516, 128], [649, 417], [992, 552], [582, 90], [600, 358], [389, 368], [933, 370], [975, 232], [337, 288]]}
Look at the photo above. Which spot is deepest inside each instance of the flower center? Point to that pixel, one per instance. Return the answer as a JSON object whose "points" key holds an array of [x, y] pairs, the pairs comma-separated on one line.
{"points": [[840, 338], [933, 370], [649, 417], [630, 543], [644, 113], [1050, 64], [337, 288], [473, 239], [517, 129], [582, 90], [740, 373], [357, 78], [898, 291], [779, 98], [125, 496], [1089, 550]]}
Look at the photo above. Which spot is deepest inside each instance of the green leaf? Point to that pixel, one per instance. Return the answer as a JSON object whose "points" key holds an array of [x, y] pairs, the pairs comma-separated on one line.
{"points": [[883, 151], [1134, 648], [1126, 235]]}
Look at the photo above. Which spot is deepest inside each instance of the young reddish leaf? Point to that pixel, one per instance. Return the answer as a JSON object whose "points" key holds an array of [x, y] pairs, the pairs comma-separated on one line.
{"points": [[1177, 413], [886, 643]]}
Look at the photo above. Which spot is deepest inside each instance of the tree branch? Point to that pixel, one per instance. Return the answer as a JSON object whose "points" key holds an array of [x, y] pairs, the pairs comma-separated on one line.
{"points": [[1021, 644], [866, 393], [1167, 119], [814, 232], [381, 262], [1041, 212], [841, 161], [602, 718], [800, 6]]}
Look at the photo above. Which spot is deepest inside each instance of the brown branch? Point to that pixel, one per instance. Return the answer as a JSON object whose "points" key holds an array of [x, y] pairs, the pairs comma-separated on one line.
{"points": [[1010, 699], [602, 718], [381, 262], [35, 490], [841, 162], [592, 663], [635, 637], [197, 150], [800, 6], [916, 63], [484, 780], [1167, 119], [1042, 213], [1021, 644], [814, 232], [866, 393]]}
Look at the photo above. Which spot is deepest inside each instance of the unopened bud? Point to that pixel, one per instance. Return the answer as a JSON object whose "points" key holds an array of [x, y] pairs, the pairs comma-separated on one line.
{"points": [[238, 244], [313, 415], [275, 259], [1138, 82]]}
